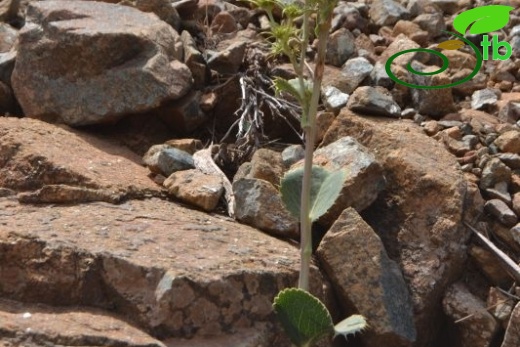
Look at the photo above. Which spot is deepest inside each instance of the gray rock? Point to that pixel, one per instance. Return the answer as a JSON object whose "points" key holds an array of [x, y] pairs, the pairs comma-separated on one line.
{"points": [[493, 172], [380, 77], [229, 60], [8, 36], [510, 159], [512, 332], [340, 47], [479, 326], [510, 112], [515, 233], [500, 191], [355, 70], [387, 12], [195, 188], [432, 102], [165, 160], [375, 101], [334, 99], [368, 280], [364, 175], [483, 98], [292, 154], [501, 211], [515, 45], [258, 204], [515, 31], [77, 63], [195, 61], [433, 23], [7, 61], [183, 115]]}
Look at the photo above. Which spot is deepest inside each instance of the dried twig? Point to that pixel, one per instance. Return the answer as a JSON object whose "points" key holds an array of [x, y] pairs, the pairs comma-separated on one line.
{"points": [[507, 263]]}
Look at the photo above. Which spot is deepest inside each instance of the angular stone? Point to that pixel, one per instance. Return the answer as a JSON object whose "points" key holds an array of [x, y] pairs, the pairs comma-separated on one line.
{"points": [[513, 328], [510, 112], [387, 12], [229, 60], [368, 281], [486, 262], [501, 211], [374, 101], [479, 326], [189, 146], [432, 23], [483, 98], [364, 178], [195, 61], [412, 30], [419, 215], [292, 154], [183, 115], [165, 160], [355, 71], [334, 99], [73, 167], [162, 8], [401, 43], [494, 172], [8, 36], [171, 271], [340, 47], [132, 64], [512, 160], [33, 325], [195, 188], [223, 23], [509, 142], [257, 203], [501, 306], [267, 165]]}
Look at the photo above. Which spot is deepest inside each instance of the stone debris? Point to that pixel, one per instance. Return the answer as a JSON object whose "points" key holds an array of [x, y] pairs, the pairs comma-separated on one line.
{"points": [[166, 80]]}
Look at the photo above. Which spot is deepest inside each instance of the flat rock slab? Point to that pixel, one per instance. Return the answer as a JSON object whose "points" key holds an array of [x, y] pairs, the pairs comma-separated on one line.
{"points": [[77, 63], [174, 272], [46, 163], [40, 325]]}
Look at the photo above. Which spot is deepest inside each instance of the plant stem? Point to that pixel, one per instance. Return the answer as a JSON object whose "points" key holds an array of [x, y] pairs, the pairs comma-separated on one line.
{"points": [[310, 135]]}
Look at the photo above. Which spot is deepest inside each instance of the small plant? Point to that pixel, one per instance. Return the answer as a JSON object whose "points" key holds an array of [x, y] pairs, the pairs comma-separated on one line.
{"points": [[307, 192]]}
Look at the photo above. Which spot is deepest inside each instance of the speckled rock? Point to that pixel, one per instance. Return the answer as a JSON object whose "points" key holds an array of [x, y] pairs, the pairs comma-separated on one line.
{"points": [[479, 327], [267, 165], [374, 101], [368, 281], [195, 188], [165, 160], [257, 203], [56, 77], [513, 331]]}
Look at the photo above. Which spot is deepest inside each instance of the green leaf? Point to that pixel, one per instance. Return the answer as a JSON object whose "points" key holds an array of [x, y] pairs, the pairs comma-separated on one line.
{"points": [[485, 18], [351, 325], [303, 316], [325, 189]]}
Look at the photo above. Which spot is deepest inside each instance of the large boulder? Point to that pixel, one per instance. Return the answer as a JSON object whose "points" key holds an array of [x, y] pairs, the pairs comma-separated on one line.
{"points": [[419, 215], [76, 63]]}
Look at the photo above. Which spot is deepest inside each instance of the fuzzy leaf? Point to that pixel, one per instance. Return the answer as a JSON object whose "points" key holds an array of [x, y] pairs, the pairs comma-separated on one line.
{"points": [[485, 19], [350, 325], [325, 189], [303, 316]]}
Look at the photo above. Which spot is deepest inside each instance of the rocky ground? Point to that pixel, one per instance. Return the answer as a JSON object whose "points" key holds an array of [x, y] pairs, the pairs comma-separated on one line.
{"points": [[141, 152]]}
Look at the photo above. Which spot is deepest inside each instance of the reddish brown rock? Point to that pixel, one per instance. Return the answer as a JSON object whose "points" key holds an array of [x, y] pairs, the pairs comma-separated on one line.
{"points": [[267, 165], [368, 281], [171, 271], [513, 329], [56, 164], [131, 64], [419, 215], [34, 325], [195, 188]]}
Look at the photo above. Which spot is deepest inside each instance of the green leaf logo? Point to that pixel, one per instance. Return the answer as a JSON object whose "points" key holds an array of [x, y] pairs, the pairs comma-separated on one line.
{"points": [[325, 189], [485, 19]]}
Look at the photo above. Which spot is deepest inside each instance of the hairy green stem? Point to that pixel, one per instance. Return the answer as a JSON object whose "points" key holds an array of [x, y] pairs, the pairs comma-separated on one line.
{"points": [[310, 135]]}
